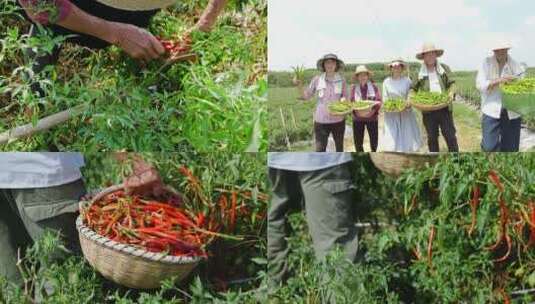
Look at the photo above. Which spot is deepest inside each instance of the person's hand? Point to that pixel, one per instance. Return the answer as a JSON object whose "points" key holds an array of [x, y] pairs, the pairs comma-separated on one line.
{"points": [[297, 82], [144, 181], [507, 79], [451, 95], [135, 41], [494, 84]]}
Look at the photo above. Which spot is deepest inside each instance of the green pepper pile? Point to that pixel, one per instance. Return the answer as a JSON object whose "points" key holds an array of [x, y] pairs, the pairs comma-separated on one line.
{"points": [[362, 105], [340, 107], [522, 86], [429, 98], [394, 105]]}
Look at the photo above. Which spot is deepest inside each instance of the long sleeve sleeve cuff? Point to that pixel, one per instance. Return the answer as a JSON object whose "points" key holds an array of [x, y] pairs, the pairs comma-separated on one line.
{"points": [[47, 12]]}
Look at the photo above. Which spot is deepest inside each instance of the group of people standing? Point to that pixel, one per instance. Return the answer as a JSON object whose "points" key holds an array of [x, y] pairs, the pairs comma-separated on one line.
{"points": [[401, 133]]}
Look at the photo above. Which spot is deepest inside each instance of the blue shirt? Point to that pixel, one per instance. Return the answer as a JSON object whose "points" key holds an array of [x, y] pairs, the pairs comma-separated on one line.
{"points": [[306, 161]]}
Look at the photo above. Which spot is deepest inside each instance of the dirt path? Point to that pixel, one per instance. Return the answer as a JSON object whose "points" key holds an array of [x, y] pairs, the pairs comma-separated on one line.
{"points": [[468, 124]]}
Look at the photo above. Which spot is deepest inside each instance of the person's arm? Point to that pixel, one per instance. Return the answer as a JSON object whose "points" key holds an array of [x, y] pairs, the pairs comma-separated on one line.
{"points": [[307, 93], [46, 11], [378, 99], [385, 93], [209, 15], [135, 41], [378, 96], [415, 86], [482, 81]]}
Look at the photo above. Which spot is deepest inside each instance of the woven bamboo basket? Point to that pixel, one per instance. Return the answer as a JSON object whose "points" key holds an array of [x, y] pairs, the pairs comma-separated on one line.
{"points": [[365, 112], [127, 265], [523, 104], [429, 108], [395, 163]]}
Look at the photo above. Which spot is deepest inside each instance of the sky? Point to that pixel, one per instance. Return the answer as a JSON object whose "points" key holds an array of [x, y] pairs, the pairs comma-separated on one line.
{"points": [[301, 31]]}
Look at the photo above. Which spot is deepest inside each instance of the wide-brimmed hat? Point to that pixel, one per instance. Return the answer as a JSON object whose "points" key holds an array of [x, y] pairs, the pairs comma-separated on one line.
{"points": [[138, 5], [429, 47], [339, 63], [395, 62], [363, 69], [501, 45]]}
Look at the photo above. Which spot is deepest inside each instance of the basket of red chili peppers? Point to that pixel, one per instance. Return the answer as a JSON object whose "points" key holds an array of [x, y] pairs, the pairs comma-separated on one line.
{"points": [[138, 242]]}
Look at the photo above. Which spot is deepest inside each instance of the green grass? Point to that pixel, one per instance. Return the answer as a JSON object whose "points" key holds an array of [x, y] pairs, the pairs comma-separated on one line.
{"points": [[214, 105], [296, 114]]}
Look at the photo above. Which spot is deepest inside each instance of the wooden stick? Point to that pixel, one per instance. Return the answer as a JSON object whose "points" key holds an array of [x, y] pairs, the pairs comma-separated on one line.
{"points": [[43, 124], [293, 118], [285, 130]]}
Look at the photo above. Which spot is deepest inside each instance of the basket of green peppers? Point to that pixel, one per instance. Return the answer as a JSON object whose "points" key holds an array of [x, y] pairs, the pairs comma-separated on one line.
{"points": [[519, 96], [363, 108], [341, 107], [394, 105], [429, 101]]}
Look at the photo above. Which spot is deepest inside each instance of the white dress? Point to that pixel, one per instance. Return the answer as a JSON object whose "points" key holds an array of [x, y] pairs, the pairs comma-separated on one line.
{"points": [[401, 132]]}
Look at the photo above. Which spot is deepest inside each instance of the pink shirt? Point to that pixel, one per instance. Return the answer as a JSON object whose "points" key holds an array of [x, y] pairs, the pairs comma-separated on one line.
{"points": [[333, 91], [47, 11]]}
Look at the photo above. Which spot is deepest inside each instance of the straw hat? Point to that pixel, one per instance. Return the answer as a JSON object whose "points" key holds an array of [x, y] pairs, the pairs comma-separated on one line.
{"points": [[137, 5], [502, 45], [429, 47], [363, 69], [339, 63], [397, 62]]}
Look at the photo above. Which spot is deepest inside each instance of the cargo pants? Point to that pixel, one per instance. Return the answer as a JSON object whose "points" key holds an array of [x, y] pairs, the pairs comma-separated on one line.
{"points": [[327, 195], [25, 214]]}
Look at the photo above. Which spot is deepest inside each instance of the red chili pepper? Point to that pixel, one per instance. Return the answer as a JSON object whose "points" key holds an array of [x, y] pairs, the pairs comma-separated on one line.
{"points": [[233, 210], [505, 297], [417, 253], [154, 225], [200, 219], [503, 234], [509, 246], [496, 180], [432, 234], [414, 202], [223, 205], [531, 241], [474, 203]]}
